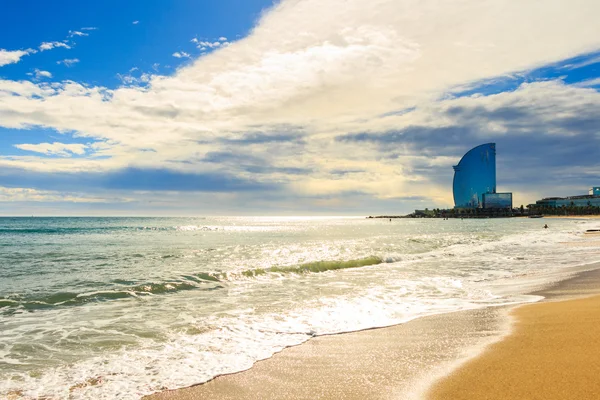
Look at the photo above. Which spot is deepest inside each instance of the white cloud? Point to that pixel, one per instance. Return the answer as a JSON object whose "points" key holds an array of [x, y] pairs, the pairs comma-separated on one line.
{"points": [[33, 195], [589, 61], [11, 57], [135, 22], [210, 45], [51, 45], [77, 33], [589, 83], [60, 149], [39, 74], [206, 44], [69, 62], [325, 68], [129, 79], [181, 54], [89, 28]]}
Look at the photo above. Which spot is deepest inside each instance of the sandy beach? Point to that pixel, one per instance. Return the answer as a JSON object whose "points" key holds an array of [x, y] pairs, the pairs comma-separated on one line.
{"points": [[552, 354], [385, 363], [541, 358]]}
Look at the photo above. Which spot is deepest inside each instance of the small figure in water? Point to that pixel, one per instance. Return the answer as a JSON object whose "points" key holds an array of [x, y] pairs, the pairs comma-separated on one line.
{"points": [[390, 220], [545, 226]]}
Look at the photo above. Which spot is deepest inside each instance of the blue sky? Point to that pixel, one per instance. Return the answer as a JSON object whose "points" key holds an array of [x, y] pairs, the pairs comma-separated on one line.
{"points": [[294, 107], [116, 44]]}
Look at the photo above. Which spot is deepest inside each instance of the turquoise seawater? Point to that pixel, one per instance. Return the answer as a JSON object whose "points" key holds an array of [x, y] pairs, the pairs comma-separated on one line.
{"points": [[105, 308]]}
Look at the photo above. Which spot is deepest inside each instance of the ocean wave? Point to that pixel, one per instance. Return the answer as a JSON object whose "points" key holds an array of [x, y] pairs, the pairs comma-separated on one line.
{"points": [[317, 266], [197, 281], [8, 305]]}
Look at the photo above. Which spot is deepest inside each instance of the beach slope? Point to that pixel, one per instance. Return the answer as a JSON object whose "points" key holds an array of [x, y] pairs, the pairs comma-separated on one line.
{"points": [[553, 353]]}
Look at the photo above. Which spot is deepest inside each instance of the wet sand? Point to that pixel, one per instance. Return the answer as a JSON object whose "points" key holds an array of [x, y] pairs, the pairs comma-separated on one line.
{"points": [[401, 362], [385, 363], [553, 353]]}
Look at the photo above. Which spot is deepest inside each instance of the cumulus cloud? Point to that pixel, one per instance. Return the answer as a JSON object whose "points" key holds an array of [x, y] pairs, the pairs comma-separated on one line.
{"points": [[39, 74], [181, 54], [205, 44], [131, 80], [362, 87], [77, 33], [589, 83], [11, 57], [60, 149], [69, 62], [52, 45]]}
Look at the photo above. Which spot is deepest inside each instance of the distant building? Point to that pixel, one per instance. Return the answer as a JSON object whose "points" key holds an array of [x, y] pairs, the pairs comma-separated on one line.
{"points": [[592, 200], [474, 184]]}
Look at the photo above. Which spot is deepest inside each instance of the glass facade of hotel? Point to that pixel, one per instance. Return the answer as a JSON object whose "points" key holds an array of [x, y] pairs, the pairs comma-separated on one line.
{"points": [[475, 175], [497, 200]]}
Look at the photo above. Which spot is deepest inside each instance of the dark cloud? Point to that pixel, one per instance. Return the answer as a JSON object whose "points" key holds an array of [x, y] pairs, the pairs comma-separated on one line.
{"points": [[264, 169], [546, 146], [250, 163], [346, 171], [271, 137], [129, 179], [227, 157], [423, 140]]}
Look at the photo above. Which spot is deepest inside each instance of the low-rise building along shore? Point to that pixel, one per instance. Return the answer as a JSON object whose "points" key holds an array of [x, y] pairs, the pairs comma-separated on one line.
{"points": [[588, 204]]}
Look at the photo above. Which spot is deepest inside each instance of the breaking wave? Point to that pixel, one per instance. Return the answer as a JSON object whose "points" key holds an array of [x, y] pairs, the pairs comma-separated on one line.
{"points": [[198, 281]]}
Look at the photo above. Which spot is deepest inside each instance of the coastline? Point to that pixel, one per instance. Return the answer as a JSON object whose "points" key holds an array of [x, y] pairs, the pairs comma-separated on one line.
{"points": [[551, 352], [402, 361], [379, 363]]}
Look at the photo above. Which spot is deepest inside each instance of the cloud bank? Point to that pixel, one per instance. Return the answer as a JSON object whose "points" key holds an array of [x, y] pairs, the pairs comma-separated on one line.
{"points": [[332, 98]]}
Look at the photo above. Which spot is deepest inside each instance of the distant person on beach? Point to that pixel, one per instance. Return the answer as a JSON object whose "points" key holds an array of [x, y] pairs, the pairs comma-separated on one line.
{"points": [[545, 226]]}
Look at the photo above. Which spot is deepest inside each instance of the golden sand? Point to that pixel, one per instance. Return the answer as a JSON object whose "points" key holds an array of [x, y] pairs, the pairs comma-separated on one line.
{"points": [[553, 353]]}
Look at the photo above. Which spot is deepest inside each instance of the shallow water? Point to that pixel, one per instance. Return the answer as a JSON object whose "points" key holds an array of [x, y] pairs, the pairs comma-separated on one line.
{"points": [[96, 308]]}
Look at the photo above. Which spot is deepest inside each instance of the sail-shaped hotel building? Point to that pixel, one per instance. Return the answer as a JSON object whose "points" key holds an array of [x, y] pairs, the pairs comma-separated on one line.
{"points": [[474, 183]]}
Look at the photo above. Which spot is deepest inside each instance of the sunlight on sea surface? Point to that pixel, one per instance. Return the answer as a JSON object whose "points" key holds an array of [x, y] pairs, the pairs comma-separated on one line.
{"points": [[102, 308]]}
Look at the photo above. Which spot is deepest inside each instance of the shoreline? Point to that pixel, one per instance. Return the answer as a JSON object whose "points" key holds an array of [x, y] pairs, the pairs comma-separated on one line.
{"points": [[549, 354], [371, 363], [403, 359]]}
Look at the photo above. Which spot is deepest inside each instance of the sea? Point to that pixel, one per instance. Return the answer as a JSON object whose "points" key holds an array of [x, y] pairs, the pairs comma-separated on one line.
{"points": [[116, 308]]}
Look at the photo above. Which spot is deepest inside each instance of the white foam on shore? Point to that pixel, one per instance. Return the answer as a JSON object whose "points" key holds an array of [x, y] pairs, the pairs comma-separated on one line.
{"points": [[239, 342]]}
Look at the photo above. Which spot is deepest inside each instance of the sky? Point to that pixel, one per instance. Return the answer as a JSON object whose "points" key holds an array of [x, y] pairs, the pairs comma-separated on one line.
{"points": [[296, 107]]}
